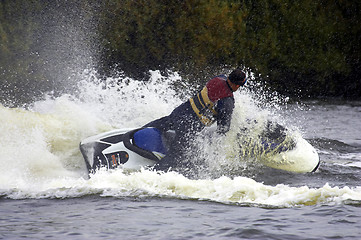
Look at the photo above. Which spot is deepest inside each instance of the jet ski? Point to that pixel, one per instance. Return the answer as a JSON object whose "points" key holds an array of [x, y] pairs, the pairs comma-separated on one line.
{"points": [[144, 147], [129, 148], [277, 148]]}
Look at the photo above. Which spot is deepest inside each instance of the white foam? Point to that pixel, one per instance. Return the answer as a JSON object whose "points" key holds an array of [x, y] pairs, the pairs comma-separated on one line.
{"points": [[145, 183], [40, 157]]}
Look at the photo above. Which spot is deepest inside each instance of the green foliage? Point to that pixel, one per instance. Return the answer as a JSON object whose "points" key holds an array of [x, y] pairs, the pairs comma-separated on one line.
{"points": [[153, 33], [303, 44], [299, 48], [17, 59]]}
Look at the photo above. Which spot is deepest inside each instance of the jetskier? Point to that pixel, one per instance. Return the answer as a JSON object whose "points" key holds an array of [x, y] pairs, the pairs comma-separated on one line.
{"points": [[144, 147]]}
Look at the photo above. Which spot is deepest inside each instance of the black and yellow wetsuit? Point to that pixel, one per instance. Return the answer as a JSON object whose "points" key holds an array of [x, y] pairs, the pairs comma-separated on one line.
{"points": [[214, 103]]}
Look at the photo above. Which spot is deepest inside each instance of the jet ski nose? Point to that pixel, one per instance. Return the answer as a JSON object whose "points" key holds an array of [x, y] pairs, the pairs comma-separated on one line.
{"points": [[316, 168]]}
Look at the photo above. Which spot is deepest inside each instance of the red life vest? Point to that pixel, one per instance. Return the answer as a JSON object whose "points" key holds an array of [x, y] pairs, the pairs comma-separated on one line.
{"points": [[203, 104]]}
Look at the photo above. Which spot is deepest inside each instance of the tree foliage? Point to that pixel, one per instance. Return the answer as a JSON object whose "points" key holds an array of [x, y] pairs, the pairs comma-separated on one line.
{"points": [[18, 62], [300, 48]]}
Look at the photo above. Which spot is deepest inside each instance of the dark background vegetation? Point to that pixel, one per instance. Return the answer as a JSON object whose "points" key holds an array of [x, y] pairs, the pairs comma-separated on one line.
{"points": [[302, 49]]}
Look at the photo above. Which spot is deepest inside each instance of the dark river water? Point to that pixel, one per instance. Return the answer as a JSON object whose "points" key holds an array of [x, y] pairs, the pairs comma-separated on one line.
{"points": [[45, 192]]}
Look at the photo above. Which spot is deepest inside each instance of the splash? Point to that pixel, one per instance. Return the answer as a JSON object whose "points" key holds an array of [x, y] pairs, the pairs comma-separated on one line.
{"points": [[146, 183], [40, 156], [224, 189], [41, 142]]}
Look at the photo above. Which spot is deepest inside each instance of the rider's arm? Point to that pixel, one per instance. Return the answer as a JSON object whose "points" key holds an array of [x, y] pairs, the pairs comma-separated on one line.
{"points": [[225, 109]]}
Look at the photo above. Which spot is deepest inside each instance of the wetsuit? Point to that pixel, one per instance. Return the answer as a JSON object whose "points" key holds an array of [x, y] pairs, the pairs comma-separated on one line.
{"points": [[214, 103]]}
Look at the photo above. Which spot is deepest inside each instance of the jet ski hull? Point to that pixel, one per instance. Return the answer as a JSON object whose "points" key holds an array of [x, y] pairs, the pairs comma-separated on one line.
{"points": [[136, 148], [111, 149]]}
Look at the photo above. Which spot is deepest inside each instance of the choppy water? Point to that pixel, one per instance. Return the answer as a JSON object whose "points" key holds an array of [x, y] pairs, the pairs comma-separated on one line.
{"points": [[45, 192]]}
